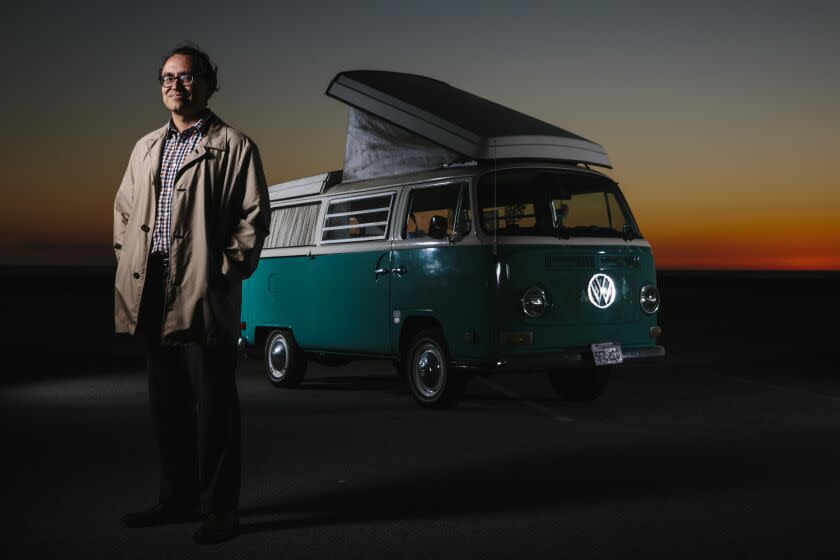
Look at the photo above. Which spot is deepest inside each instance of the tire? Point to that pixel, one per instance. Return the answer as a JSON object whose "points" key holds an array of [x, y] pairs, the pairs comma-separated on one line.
{"points": [[285, 362], [426, 368], [579, 385]]}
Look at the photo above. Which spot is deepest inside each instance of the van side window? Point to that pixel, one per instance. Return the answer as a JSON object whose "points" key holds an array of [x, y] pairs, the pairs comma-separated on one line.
{"points": [[292, 226], [450, 201], [357, 219]]}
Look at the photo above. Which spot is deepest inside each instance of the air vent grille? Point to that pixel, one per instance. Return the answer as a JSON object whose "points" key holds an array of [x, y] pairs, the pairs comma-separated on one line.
{"points": [[562, 262]]}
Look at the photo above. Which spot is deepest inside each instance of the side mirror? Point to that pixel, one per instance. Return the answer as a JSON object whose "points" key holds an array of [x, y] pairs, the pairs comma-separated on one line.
{"points": [[438, 226]]}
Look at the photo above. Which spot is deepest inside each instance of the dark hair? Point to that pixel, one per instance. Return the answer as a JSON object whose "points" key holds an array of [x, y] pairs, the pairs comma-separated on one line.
{"points": [[206, 69]]}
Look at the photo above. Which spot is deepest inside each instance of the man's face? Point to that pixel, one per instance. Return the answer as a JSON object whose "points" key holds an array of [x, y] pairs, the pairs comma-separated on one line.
{"points": [[182, 99]]}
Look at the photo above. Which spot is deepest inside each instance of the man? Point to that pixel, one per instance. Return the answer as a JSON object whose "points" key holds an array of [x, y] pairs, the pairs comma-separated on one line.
{"points": [[189, 221]]}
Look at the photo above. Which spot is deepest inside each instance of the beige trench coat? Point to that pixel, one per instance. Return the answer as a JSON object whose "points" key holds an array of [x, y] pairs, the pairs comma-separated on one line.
{"points": [[220, 217]]}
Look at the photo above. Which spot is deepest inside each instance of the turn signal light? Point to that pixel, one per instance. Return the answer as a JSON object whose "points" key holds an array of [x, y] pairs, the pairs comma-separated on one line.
{"points": [[518, 338]]}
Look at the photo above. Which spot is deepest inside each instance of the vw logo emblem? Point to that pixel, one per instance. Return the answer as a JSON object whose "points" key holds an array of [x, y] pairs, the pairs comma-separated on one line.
{"points": [[601, 291]]}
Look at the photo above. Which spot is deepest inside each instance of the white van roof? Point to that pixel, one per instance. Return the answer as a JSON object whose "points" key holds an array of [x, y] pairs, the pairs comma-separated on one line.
{"points": [[306, 186]]}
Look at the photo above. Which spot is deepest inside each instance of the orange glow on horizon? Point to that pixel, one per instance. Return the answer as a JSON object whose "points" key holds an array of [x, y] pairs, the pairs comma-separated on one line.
{"points": [[79, 234], [765, 250], [715, 218]]}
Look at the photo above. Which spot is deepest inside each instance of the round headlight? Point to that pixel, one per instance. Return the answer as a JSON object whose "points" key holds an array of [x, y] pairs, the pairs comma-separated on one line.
{"points": [[649, 299], [534, 302]]}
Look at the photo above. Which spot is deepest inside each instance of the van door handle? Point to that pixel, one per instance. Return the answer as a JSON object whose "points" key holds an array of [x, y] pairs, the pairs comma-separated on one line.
{"points": [[379, 271], [400, 270]]}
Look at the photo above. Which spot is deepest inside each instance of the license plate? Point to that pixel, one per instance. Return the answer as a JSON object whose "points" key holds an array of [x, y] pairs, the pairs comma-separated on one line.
{"points": [[607, 353]]}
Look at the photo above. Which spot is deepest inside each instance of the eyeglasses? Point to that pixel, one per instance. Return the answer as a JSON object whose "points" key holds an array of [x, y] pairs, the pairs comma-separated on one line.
{"points": [[168, 80]]}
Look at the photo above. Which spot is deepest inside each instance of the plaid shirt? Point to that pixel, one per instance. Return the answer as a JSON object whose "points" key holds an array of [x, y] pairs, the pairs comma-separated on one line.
{"points": [[177, 146]]}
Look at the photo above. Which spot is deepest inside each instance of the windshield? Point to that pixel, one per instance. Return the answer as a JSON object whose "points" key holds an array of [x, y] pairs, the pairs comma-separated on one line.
{"points": [[562, 204]]}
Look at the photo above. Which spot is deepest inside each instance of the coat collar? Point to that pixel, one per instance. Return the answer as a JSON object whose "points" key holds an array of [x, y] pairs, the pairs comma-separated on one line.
{"points": [[215, 138]]}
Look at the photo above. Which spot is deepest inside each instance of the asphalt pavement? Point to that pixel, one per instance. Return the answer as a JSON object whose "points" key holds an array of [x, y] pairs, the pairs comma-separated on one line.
{"points": [[697, 456]]}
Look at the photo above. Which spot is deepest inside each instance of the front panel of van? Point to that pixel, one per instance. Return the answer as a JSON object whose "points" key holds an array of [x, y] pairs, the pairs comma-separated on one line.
{"points": [[566, 238], [574, 318]]}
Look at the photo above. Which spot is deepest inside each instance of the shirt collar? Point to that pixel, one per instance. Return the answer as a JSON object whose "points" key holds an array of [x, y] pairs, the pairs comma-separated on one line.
{"points": [[199, 126]]}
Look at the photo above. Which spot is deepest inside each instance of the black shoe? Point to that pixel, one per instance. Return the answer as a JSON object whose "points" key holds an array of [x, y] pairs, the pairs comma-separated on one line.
{"points": [[159, 514], [218, 527]]}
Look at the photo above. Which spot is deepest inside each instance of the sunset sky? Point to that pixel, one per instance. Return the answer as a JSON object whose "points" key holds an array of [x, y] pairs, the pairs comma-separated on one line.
{"points": [[721, 119]]}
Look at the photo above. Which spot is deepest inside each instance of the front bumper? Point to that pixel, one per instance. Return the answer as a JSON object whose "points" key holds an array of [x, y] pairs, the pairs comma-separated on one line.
{"points": [[577, 358]]}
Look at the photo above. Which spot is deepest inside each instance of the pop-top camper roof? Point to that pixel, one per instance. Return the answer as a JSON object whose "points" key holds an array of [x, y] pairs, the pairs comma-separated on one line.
{"points": [[450, 122], [404, 123]]}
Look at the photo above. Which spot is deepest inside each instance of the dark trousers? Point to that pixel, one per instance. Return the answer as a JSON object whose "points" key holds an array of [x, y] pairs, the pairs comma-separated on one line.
{"points": [[195, 411]]}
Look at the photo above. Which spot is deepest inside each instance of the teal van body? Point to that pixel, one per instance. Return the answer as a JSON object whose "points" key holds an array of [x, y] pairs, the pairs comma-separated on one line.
{"points": [[456, 272]]}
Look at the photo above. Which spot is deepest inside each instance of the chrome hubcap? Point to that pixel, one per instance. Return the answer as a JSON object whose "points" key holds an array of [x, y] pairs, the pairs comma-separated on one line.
{"points": [[278, 357], [429, 371]]}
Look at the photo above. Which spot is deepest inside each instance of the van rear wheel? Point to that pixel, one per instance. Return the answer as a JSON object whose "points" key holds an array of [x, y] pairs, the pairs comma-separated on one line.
{"points": [[433, 384], [579, 385], [285, 362]]}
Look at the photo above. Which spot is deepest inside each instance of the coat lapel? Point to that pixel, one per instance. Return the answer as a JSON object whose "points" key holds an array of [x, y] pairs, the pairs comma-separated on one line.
{"points": [[214, 139], [154, 147]]}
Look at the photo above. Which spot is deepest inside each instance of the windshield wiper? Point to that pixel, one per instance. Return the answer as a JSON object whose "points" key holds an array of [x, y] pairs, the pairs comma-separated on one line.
{"points": [[627, 233], [595, 231], [561, 233]]}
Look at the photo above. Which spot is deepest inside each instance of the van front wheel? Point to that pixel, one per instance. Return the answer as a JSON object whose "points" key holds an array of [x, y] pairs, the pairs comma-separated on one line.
{"points": [[579, 385], [285, 363], [432, 383]]}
